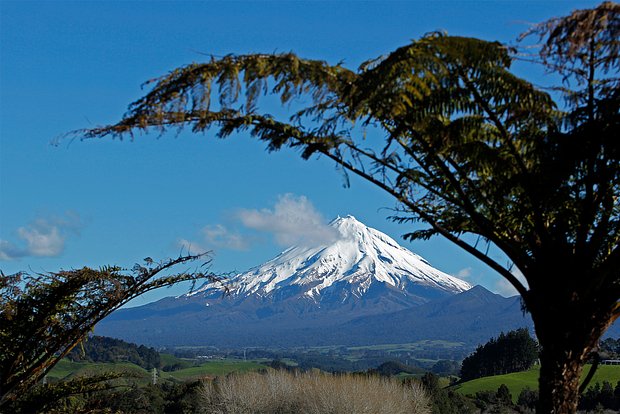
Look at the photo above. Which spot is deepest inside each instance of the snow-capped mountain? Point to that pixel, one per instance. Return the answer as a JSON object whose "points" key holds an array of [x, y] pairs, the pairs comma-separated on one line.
{"points": [[359, 261], [360, 287]]}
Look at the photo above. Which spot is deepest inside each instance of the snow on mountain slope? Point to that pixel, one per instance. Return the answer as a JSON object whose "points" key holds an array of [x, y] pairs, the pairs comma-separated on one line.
{"points": [[359, 260]]}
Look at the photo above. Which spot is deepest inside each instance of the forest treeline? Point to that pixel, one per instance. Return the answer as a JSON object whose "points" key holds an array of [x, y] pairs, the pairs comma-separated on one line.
{"points": [[609, 348], [105, 349], [509, 352]]}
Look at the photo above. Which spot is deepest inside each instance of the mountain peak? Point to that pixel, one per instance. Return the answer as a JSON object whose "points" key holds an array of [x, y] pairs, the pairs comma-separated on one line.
{"points": [[348, 217], [355, 286], [361, 260], [347, 224]]}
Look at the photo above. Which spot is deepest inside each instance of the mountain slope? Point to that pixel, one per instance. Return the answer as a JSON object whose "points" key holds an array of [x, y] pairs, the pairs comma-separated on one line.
{"points": [[471, 317], [357, 261], [305, 296]]}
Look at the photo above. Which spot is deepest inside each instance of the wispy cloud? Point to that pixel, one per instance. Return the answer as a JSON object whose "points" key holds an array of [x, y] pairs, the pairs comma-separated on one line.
{"points": [[219, 236], [215, 236], [190, 247], [292, 221], [464, 273], [43, 237], [9, 251]]}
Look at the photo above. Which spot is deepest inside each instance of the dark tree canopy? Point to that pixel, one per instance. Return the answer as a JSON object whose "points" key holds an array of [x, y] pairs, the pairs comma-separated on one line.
{"points": [[103, 349], [44, 316], [511, 352], [464, 146], [610, 348]]}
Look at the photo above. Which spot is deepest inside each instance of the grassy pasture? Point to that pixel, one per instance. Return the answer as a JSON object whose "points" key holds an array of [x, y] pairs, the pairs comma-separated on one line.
{"points": [[517, 381], [67, 369], [169, 360], [414, 346], [214, 368]]}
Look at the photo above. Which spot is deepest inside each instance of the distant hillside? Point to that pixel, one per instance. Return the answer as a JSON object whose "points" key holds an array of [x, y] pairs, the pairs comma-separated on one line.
{"points": [[391, 368], [471, 317], [104, 349], [66, 369]]}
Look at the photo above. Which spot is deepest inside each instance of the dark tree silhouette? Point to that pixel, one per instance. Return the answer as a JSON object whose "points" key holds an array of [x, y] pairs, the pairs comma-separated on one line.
{"points": [[103, 349], [44, 316], [469, 148], [511, 352]]}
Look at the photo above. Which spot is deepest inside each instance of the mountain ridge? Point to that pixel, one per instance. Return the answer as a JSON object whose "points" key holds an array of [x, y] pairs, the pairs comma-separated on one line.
{"points": [[358, 288], [345, 268]]}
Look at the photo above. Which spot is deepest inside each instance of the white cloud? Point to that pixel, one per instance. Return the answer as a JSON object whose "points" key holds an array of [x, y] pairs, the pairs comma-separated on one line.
{"points": [[42, 240], [464, 273], [190, 247], [505, 288], [219, 236], [43, 237], [214, 236], [292, 221], [8, 251]]}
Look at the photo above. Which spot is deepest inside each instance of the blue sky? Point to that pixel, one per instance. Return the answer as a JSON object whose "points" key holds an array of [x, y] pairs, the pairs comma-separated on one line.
{"points": [[69, 65]]}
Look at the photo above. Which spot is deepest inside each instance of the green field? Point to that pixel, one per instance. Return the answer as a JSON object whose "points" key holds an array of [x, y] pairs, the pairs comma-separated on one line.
{"points": [[517, 381], [414, 346], [214, 368], [419, 349], [170, 360], [66, 369]]}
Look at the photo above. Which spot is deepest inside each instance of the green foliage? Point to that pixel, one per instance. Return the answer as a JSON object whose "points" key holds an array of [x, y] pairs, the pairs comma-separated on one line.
{"points": [[183, 398], [279, 365], [503, 395], [103, 349], [583, 49], [66, 369], [391, 368], [166, 398], [215, 368], [58, 397], [610, 348], [445, 401], [528, 399], [446, 367], [171, 363], [44, 316], [603, 395], [494, 401], [512, 352]]}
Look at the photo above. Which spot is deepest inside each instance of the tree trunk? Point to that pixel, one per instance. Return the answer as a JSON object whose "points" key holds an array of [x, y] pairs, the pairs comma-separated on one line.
{"points": [[558, 386], [567, 333]]}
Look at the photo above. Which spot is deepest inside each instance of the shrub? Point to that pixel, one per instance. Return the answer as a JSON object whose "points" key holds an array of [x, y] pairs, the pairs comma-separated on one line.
{"points": [[444, 401], [312, 393], [504, 397], [527, 399], [495, 401]]}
